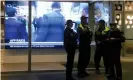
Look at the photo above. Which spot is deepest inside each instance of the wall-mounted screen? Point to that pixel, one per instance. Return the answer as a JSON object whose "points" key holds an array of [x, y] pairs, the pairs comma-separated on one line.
{"points": [[16, 24], [49, 18], [102, 11], [48, 22]]}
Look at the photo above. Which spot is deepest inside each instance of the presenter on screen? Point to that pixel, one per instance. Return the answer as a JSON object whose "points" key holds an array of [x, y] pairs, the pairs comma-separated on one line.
{"points": [[53, 32], [14, 29]]}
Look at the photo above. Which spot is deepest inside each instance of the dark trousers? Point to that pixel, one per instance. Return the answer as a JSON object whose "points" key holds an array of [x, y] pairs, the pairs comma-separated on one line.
{"points": [[70, 60], [84, 57], [115, 63], [100, 52]]}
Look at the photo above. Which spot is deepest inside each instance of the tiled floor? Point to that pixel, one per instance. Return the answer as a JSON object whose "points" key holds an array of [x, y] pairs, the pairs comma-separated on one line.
{"points": [[127, 66]]}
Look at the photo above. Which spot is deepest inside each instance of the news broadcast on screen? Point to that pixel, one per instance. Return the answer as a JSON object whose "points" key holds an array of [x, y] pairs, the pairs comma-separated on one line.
{"points": [[47, 23]]}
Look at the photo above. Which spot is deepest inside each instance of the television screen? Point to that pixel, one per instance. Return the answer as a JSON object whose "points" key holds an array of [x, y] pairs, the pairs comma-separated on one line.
{"points": [[48, 22], [102, 12], [16, 24]]}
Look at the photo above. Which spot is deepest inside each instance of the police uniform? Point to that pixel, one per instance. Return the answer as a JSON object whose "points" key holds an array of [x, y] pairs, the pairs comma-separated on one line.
{"points": [[114, 53], [85, 37], [70, 44], [101, 48]]}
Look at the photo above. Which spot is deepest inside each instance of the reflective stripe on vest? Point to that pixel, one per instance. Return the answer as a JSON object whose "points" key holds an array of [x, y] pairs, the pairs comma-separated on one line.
{"points": [[81, 26], [105, 30]]}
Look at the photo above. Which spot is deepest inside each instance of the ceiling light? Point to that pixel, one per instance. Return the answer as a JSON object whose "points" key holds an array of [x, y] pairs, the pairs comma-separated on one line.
{"points": [[126, 7], [118, 26], [128, 17], [120, 22], [130, 7], [126, 21], [115, 21], [130, 22], [132, 26], [118, 17]]}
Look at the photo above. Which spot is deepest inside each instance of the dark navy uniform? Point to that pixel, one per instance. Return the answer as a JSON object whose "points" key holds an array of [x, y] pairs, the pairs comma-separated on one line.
{"points": [[115, 40], [70, 44], [101, 45], [85, 37]]}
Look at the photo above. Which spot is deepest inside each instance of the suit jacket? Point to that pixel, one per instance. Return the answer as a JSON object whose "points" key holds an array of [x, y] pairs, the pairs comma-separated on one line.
{"points": [[51, 28], [14, 29]]}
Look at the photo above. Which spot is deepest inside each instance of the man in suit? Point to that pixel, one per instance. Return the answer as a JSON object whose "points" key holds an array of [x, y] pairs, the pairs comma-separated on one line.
{"points": [[52, 26], [14, 29]]}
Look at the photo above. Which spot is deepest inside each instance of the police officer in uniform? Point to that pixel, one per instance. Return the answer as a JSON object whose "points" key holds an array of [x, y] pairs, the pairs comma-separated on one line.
{"points": [[101, 46], [85, 37], [115, 40], [70, 44]]}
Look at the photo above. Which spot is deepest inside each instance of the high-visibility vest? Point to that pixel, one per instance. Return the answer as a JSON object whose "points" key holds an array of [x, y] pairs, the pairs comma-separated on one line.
{"points": [[105, 30], [82, 27]]}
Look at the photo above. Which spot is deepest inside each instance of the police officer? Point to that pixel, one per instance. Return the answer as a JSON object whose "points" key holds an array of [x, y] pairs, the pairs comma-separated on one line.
{"points": [[115, 40], [85, 36], [101, 46], [70, 44]]}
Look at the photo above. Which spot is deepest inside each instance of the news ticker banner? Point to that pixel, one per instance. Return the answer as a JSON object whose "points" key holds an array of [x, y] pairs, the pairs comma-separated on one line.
{"points": [[68, 0], [24, 45]]}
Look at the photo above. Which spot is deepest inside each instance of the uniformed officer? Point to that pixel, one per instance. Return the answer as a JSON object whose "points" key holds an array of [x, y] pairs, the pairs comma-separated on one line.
{"points": [[85, 37], [115, 40], [70, 44], [101, 46]]}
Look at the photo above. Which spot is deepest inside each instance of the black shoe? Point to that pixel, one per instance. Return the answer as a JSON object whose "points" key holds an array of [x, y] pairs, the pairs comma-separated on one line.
{"points": [[82, 75], [97, 72]]}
